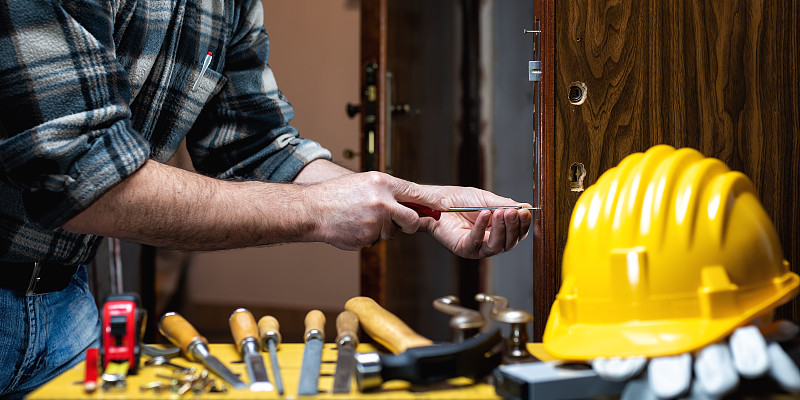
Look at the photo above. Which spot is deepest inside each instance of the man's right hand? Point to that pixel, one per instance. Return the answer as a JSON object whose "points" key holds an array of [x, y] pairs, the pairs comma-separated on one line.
{"points": [[356, 210]]}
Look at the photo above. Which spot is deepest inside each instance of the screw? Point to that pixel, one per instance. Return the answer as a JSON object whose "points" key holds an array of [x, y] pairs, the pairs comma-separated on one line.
{"points": [[155, 386]]}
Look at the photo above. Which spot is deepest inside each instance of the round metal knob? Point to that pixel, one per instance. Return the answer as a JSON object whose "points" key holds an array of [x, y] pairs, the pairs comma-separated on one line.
{"points": [[511, 316], [463, 319], [353, 109], [349, 154]]}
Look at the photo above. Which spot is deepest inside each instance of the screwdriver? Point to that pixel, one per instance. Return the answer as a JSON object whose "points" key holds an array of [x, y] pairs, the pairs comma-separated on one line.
{"points": [[423, 211], [269, 331]]}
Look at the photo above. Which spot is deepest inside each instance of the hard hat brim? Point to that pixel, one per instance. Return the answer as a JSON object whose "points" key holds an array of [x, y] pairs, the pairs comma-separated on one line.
{"points": [[652, 338]]}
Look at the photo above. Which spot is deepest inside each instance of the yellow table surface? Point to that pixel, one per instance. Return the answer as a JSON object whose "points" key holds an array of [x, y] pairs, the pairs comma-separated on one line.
{"points": [[69, 385]]}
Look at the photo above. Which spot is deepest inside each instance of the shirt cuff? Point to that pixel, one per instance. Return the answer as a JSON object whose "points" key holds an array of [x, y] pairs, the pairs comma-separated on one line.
{"points": [[59, 180]]}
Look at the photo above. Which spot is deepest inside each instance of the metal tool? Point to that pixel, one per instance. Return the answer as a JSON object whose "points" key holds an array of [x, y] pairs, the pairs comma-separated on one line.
{"points": [[165, 352], [464, 321], [423, 211], [312, 354], [161, 360], [517, 343], [472, 209], [114, 375], [416, 359], [195, 347], [269, 332], [346, 340], [245, 337]]}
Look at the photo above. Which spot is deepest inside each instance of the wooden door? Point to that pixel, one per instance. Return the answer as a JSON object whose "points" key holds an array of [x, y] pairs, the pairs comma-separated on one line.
{"points": [[411, 114], [721, 77]]}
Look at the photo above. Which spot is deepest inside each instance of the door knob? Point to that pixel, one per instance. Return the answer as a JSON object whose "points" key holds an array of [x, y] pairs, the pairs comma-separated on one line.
{"points": [[352, 109], [349, 154]]}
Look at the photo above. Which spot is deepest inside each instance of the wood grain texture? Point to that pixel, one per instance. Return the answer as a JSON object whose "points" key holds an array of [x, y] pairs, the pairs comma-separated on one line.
{"points": [[269, 328], [180, 332], [385, 327], [721, 77], [421, 53], [347, 328], [315, 321], [243, 325]]}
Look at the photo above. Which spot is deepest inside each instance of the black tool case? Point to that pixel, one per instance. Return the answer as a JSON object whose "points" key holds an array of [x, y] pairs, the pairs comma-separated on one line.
{"points": [[552, 380]]}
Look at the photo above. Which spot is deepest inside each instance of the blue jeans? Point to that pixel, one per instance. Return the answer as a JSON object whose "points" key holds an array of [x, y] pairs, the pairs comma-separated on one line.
{"points": [[45, 335]]}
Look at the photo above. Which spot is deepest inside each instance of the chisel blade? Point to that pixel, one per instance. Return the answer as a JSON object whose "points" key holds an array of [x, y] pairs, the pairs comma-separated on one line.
{"points": [[218, 368], [345, 365], [346, 340], [257, 371], [309, 373]]}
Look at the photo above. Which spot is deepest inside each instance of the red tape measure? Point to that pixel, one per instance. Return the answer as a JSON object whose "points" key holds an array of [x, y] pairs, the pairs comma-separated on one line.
{"points": [[123, 320]]}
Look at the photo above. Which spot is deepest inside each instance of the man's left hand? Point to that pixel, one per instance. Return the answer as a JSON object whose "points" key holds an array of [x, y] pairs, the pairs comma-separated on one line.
{"points": [[478, 234]]}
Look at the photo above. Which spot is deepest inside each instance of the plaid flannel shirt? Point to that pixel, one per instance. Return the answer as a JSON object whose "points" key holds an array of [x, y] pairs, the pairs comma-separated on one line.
{"points": [[90, 89]]}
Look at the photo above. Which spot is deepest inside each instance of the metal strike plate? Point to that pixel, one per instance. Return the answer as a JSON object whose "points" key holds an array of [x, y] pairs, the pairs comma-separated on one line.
{"points": [[534, 71]]}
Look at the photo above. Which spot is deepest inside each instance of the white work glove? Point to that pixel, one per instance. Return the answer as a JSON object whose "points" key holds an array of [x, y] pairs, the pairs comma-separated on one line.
{"points": [[717, 367]]}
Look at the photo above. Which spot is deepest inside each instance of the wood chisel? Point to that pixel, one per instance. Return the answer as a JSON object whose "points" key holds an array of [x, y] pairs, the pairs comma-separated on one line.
{"points": [[346, 341], [245, 337], [195, 347], [312, 353], [269, 332]]}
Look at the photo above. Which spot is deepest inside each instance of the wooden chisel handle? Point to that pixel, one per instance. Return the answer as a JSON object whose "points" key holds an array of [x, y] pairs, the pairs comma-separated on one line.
{"points": [[385, 327], [347, 328], [243, 326], [180, 332], [269, 328], [315, 325]]}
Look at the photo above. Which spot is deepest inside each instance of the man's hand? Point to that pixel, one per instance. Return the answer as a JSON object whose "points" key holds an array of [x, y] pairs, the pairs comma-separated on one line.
{"points": [[477, 234], [356, 210], [715, 370]]}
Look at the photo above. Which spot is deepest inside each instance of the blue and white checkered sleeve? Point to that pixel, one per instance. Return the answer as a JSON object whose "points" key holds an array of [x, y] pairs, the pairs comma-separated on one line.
{"points": [[65, 134], [245, 133]]}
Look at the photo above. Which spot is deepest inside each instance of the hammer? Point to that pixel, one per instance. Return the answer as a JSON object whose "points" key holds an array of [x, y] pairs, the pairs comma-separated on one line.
{"points": [[416, 359]]}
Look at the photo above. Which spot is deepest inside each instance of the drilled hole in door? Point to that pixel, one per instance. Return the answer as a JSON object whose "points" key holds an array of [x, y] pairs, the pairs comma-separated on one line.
{"points": [[576, 174], [577, 93]]}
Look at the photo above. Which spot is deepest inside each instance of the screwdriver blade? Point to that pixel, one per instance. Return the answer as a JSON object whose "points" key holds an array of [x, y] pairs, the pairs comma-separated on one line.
{"points": [[276, 369]]}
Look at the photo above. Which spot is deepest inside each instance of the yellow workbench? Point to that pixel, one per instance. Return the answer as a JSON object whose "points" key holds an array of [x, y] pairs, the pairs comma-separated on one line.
{"points": [[69, 385]]}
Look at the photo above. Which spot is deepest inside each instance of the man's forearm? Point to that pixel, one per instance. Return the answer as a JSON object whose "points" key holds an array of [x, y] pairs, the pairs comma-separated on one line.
{"points": [[320, 170], [169, 207]]}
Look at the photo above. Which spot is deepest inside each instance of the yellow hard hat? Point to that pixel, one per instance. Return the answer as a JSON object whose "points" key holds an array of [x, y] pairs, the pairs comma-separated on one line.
{"points": [[668, 252]]}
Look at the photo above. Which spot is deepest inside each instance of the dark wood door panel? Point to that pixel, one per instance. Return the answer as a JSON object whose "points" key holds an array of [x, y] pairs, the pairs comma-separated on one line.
{"points": [[721, 78], [415, 45]]}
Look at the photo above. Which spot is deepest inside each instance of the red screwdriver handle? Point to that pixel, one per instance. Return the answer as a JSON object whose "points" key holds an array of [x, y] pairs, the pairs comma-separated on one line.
{"points": [[423, 211]]}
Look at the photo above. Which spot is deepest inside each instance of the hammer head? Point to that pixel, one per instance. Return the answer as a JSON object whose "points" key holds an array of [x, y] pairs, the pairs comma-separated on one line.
{"points": [[474, 358]]}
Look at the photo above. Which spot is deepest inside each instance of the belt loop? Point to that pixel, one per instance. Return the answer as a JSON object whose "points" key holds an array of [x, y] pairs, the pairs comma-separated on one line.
{"points": [[37, 268]]}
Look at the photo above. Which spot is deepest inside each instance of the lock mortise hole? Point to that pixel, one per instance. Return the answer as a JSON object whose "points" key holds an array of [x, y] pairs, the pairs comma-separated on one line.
{"points": [[577, 172], [577, 93]]}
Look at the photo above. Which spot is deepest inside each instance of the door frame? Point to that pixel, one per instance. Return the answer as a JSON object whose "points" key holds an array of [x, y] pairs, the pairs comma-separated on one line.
{"points": [[545, 275]]}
